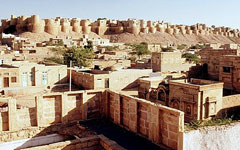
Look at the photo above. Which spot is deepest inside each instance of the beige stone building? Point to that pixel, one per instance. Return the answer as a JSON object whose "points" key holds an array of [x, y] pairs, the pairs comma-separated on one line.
{"points": [[9, 76], [116, 80], [25, 74], [154, 47], [198, 99], [229, 72], [211, 56], [169, 62]]}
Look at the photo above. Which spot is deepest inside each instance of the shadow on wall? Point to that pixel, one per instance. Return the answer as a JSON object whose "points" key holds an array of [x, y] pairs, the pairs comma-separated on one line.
{"points": [[134, 84], [231, 112]]}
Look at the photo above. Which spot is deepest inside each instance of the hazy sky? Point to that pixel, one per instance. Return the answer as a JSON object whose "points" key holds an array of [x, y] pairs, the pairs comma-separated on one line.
{"points": [[217, 12]]}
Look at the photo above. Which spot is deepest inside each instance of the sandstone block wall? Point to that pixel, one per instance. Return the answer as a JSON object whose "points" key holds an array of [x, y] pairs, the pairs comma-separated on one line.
{"points": [[168, 62], [52, 109], [89, 81], [67, 107], [160, 124], [126, 78], [26, 117], [213, 58]]}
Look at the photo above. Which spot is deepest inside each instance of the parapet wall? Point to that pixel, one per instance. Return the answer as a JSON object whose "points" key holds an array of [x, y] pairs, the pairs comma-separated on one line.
{"points": [[159, 124], [230, 106]]}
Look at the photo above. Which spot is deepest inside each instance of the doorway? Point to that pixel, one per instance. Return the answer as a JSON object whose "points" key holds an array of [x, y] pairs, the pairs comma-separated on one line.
{"points": [[6, 82]]}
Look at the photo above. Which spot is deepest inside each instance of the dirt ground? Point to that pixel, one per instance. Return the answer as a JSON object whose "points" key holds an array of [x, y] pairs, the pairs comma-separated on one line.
{"points": [[123, 137]]}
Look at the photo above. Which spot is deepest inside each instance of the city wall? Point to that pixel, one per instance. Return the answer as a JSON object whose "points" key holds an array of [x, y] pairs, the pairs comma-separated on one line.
{"points": [[103, 26]]}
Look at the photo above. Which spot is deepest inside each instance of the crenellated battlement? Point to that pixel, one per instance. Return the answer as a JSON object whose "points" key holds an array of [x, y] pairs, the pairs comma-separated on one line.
{"points": [[103, 26]]}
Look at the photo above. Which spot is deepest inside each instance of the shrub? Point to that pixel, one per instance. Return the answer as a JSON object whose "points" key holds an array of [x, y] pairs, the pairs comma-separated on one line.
{"points": [[182, 46], [191, 57]]}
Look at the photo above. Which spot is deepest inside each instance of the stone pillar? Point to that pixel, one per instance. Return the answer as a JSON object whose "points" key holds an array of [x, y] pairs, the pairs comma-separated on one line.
{"points": [[180, 130], [117, 108], [64, 99], [84, 106], [12, 118], [39, 105], [133, 115], [154, 125]]}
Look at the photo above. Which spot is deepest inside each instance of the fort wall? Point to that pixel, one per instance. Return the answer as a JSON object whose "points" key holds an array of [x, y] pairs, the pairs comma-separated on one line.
{"points": [[103, 26]]}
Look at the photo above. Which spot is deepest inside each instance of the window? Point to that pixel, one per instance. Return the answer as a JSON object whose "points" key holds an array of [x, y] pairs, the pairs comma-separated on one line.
{"points": [[44, 78], [13, 79], [31, 76], [106, 83], [226, 69]]}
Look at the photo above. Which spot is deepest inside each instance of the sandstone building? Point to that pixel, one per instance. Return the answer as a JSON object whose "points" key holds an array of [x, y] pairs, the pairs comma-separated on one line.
{"points": [[220, 62], [169, 62]]}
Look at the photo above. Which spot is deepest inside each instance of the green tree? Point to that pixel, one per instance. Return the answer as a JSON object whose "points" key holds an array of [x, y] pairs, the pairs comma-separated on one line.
{"points": [[110, 48], [197, 46], [182, 46], [168, 49], [140, 49], [78, 56], [191, 57], [49, 43], [89, 45]]}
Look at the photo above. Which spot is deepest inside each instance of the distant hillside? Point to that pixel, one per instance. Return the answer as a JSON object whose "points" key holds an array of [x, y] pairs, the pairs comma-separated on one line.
{"points": [[165, 38]]}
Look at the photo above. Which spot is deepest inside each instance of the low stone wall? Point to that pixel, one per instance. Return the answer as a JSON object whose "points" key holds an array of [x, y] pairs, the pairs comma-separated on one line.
{"points": [[89, 81], [26, 117], [68, 107], [230, 104], [155, 122], [53, 108], [212, 138], [159, 124], [85, 80], [231, 101]]}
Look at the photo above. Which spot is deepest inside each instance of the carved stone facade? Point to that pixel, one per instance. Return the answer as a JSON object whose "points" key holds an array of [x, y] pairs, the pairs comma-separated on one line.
{"points": [[198, 99]]}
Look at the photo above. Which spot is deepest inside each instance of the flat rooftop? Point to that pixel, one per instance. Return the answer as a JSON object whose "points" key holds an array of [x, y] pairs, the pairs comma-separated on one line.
{"points": [[7, 66]]}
